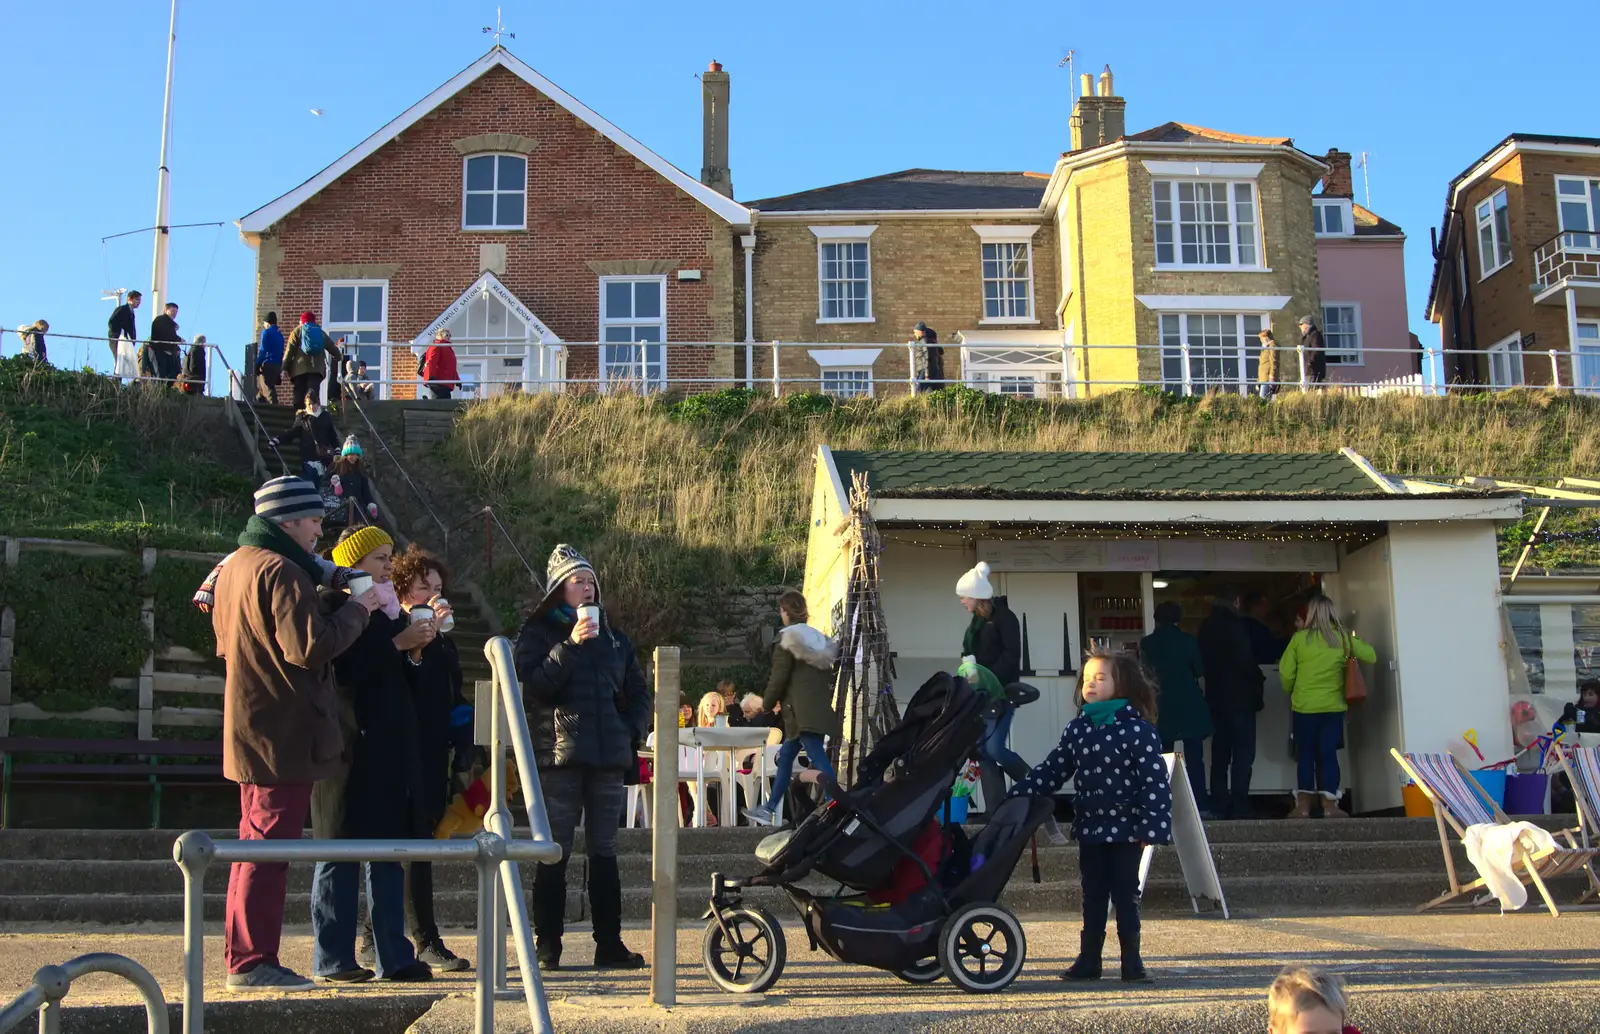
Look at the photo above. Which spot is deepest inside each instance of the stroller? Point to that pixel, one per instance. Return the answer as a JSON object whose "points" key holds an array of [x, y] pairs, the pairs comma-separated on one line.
{"points": [[927, 905]]}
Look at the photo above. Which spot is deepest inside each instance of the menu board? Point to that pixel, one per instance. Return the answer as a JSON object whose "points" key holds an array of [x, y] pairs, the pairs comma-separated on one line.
{"points": [[1157, 555]]}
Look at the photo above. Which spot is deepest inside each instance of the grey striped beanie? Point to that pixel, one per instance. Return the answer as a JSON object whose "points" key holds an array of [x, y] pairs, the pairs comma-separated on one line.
{"points": [[288, 499]]}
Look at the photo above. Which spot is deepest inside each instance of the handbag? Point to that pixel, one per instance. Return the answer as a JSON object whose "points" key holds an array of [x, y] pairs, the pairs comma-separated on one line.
{"points": [[1355, 684]]}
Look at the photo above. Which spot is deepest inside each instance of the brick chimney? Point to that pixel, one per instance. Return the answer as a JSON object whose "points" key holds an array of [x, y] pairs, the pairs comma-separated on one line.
{"points": [[1336, 182], [1099, 116], [714, 89]]}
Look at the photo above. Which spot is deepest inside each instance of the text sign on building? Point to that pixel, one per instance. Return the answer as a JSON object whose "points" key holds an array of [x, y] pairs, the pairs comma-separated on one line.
{"points": [[1157, 555]]}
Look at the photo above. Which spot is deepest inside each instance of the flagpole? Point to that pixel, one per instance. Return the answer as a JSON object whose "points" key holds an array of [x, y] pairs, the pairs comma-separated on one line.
{"points": [[158, 273]]}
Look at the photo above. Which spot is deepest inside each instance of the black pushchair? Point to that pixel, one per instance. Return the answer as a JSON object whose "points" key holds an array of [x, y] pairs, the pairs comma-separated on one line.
{"points": [[882, 829]]}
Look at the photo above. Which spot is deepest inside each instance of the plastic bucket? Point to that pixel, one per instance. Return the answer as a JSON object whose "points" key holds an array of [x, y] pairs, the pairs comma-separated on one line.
{"points": [[1525, 794], [958, 810], [1417, 804], [1493, 781]]}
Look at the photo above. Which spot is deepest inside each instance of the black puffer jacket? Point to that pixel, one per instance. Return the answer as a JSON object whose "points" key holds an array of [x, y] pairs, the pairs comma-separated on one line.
{"points": [[587, 705], [998, 642], [436, 691]]}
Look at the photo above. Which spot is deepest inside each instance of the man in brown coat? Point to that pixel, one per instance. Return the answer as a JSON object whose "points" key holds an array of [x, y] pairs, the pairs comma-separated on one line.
{"points": [[280, 718]]}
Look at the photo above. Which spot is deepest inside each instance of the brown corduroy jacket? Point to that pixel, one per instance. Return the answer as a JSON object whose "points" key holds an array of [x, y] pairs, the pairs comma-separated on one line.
{"points": [[280, 716]]}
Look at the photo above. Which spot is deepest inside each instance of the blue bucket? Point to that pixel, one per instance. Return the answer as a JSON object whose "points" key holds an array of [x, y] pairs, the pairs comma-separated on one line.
{"points": [[1493, 781], [958, 810]]}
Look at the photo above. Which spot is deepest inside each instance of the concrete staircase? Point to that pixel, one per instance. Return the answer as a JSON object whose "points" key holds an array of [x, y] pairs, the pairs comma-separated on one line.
{"points": [[75, 877]]}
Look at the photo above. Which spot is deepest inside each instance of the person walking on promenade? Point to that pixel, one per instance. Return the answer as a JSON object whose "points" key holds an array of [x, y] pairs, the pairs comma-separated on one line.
{"points": [[589, 710], [160, 357], [801, 681], [33, 343], [438, 370], [1234, 692], [1312, 669], [269, 360], [1312, 351], [121, 327], [305, 358], [193, 380], [930, 362], [1267, 371], [1173, 655], [1124, 801], [280, 725]]}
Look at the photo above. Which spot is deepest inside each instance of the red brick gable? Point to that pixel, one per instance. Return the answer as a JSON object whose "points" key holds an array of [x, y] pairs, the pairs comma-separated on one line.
{"points": [[589, 202]]}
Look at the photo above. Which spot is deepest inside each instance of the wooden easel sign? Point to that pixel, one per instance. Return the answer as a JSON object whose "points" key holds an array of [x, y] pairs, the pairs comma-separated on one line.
{"points": [[1189, 838]]}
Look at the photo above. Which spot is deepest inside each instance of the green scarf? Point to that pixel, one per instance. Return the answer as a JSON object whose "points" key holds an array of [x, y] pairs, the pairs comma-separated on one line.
{"points": [[263, 534], [969, 641], [1103, 712]]}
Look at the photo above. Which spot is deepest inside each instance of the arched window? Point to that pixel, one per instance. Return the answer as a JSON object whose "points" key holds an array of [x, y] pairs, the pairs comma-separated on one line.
{"points": [[494, 192]]}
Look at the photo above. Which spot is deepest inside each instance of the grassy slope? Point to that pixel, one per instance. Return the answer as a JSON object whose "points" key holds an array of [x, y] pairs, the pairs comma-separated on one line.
{"points": [[678, 502], [83, 457]]}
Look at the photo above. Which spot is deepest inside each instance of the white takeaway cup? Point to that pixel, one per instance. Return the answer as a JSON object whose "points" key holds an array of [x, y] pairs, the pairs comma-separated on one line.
{"points": [[359, 584]]}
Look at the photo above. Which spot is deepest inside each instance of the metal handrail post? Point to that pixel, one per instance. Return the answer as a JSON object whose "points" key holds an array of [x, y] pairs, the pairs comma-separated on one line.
{"points": [[497, 820], [51, 984], [664, 833], [777, 383], [194, 852], [1188, 374], [491, 853], [1555, 371]]}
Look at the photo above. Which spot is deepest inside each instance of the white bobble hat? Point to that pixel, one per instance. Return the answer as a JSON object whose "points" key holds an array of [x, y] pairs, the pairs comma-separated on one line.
{"points": [[975, 583]]}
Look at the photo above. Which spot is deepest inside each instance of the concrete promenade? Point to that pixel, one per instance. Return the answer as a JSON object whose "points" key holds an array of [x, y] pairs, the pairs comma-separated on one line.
{"points": [[1409, 974]]}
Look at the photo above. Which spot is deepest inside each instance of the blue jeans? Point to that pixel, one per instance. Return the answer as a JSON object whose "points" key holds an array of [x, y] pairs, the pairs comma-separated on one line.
{"points": [[1233, 756], [1316, 748], [334, 910], [1194, 766], [816, 753]]}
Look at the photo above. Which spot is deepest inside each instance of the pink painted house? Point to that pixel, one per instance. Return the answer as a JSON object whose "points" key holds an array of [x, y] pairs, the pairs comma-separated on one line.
{"points": [[1361, 264]]}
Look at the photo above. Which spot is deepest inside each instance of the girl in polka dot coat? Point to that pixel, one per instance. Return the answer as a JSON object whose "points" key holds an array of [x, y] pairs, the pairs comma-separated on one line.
{"points": [[1123, 802]]}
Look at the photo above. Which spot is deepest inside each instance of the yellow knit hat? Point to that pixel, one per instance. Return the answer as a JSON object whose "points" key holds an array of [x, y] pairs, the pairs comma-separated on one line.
{"points": [[350, 552]]}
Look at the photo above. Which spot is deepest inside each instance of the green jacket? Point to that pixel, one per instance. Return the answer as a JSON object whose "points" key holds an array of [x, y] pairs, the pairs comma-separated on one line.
{"points": [[1174, 656], [1313, 672], [297, 362], [802, 680]]}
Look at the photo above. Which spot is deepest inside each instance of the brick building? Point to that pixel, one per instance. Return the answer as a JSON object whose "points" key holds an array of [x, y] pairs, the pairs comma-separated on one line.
{"points": [[1516, 271], [504, 210]]}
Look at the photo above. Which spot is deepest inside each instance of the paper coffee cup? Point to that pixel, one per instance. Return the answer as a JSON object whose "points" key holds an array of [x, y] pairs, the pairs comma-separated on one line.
{"points": [[589, 613], [359, 584], [421, 614], [449, 621]]}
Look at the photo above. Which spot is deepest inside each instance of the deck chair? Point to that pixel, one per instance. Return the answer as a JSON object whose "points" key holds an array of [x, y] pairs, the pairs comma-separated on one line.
{"points": [[1458, 801], [1582, 767]]}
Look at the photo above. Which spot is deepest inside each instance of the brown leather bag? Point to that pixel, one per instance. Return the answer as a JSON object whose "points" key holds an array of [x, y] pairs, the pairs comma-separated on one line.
{"points": [[1355, 684]]}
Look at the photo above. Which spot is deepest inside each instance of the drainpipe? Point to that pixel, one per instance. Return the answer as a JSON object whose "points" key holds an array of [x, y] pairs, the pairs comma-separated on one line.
{"points": [[749, 243]]}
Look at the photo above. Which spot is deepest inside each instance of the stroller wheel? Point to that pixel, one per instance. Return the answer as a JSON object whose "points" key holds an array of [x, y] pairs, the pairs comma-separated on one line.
{"points": [[982, 948], [923, 971], [750, 957]]}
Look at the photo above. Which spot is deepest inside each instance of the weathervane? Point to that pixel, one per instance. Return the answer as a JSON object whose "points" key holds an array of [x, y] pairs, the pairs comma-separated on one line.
{"points": [[498, 29]]}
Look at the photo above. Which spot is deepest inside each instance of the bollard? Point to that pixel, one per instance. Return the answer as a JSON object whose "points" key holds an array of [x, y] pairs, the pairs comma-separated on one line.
{"points": [[664, 834], [193, 852]]}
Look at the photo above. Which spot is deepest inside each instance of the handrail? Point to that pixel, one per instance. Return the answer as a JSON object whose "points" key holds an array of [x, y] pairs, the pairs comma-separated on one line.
{"points": [[487, 512], [1568, 233], [246, 395], [493, 848], [51, 984], [421, 496]]}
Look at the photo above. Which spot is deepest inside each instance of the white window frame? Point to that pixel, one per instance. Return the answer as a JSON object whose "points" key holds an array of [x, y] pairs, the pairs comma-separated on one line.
{"points": [[495, 192], [335, 330], [846, 360], [1579, 240], [1509, 350], [836, 235], [1586, 354], [842, 371], [1346, 210], [1487, 222], [1247, 347], [651, 383], [1230, 184], [1357, 354], [1014, 235]]}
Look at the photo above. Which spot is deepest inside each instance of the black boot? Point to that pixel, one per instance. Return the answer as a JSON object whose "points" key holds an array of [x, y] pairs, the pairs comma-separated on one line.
{"points": [[549, 913], [605, 905], [1133, 971], [1087, 964]]}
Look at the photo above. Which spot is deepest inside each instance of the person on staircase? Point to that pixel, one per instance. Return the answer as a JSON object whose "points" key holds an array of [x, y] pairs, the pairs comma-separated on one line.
{"points": [[305, 358], [589, 710], [1173, 655], [280, 726], [351, 485], [193, 380], [269, 360], [1312, 669], [319, 439], [381, 796]]}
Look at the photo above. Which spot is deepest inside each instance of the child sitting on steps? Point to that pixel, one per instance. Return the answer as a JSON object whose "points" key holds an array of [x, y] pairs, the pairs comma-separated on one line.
{"points": [[1124, 801]]}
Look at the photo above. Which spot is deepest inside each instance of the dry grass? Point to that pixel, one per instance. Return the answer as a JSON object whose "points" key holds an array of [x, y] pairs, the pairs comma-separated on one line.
{"points": [[678, 503]]}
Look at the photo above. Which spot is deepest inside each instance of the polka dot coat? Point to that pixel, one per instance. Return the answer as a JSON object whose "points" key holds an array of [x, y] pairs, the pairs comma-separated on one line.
{"points": [[1123, 791]]}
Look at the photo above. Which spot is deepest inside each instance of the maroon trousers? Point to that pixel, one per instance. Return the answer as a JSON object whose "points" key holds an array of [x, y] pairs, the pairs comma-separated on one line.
{"points": [[254, 925]]}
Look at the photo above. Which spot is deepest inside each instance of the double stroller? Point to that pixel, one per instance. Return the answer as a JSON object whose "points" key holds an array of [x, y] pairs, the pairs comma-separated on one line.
{"points": [[925, 901]]}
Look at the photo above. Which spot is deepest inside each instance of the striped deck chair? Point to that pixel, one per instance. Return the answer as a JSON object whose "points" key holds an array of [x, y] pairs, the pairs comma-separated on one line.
{"points": [[1458, 801], [1582, 766]]}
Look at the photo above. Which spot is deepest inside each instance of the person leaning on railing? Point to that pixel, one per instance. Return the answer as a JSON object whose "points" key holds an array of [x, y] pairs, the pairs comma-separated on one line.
{"points": [[589, 709]]}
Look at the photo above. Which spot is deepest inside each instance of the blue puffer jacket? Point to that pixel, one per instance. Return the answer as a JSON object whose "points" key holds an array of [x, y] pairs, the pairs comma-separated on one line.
{"points": [[1123, 792]]}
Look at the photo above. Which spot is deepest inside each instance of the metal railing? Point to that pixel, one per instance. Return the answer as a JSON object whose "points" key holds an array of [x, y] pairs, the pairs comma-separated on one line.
{"points": [[421, 496], [1569, 255], [51, 984], [491, 522], [492, 851]]}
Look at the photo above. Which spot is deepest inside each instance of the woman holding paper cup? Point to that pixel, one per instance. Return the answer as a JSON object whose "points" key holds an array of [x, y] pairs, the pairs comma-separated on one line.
{"points": [[589, 709]]}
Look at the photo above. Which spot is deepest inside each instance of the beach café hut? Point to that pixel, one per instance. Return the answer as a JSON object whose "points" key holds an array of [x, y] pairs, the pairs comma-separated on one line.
{"points": [[1085, 545]]}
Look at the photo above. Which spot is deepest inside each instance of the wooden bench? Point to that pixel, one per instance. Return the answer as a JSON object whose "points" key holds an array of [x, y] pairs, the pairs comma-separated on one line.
{"points": [[143, 763]]}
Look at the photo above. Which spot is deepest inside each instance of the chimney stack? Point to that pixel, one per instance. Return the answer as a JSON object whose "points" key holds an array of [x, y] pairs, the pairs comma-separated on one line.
{"points": [[1100, 116], [1336, 182], [714, 89]]}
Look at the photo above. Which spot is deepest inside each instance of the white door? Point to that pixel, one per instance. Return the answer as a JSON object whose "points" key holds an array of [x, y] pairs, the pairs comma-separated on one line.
{"points": [[1049, 603]]}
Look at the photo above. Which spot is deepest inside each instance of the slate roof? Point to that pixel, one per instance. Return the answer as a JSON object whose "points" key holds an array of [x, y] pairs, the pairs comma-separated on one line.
{"points": [[1108, 475], [1371, 224], [917, 190], [1182, 132]]}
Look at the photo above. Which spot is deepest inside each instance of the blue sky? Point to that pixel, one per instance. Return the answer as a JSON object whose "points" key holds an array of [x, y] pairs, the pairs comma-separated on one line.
{"points": [[822, 92]]}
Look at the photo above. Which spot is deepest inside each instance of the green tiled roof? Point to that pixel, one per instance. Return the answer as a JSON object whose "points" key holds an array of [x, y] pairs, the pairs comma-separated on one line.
{"points": [[1107, 475]]}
